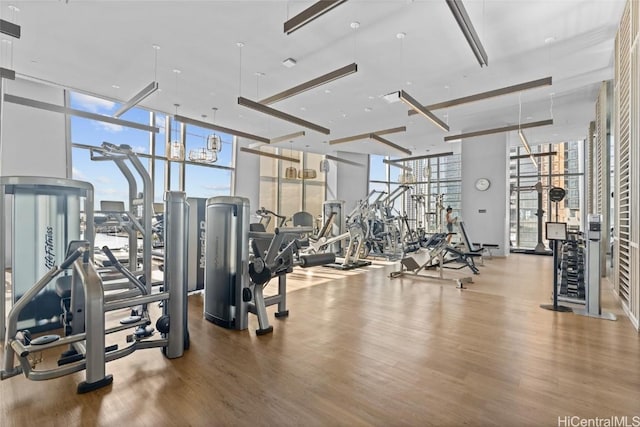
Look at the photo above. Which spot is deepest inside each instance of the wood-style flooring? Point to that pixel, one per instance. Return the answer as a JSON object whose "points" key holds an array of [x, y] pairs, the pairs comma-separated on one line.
{"points": [[361, 349]]}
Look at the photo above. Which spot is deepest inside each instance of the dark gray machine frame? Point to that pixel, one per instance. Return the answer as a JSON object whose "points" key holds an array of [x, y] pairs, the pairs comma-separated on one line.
{"points": [[234, 279]]}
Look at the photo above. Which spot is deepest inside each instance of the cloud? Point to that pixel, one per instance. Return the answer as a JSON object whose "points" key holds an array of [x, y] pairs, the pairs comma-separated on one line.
{"points": [[109, 127], [218, 188], [92, 104], [78, 174], [103, 180], [139, 149]]}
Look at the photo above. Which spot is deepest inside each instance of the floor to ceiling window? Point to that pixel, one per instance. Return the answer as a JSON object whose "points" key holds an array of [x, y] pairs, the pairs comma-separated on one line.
{"points": [[558, 165], [196, 160], [290, 186], [432, 183]]}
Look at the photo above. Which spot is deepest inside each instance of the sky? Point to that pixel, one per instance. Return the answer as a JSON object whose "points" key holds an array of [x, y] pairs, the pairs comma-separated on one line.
{"points": [[110, 184]]}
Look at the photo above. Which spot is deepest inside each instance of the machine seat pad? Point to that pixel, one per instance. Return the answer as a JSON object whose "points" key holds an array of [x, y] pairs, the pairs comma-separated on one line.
{"points": [[63, 286]]}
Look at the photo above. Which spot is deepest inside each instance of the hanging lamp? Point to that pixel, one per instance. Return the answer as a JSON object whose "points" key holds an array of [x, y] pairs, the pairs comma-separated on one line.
{"points": [[291, 172]]}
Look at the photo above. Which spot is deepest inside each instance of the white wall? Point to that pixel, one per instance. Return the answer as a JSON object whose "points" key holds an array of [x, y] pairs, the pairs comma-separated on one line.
{"points": [[247, 175], [486, 213], [33, 141], [347, 182]]}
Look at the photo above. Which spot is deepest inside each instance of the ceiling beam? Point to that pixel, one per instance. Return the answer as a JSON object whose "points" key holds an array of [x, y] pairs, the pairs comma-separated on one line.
{"points": [[286, 137], [380, 139], [311, 13], [311, 84], [79, 113], [547, 81], [6, 73], [418, 108], [281, 115], [229, 131], [498, 130], [426, 156], [366, 135], [464, 22], [274, 156], [136, 99], [9, 28], [338, 159]]}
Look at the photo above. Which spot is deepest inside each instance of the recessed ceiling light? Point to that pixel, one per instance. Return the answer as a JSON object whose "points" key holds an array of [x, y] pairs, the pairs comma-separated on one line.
{"points": [[115, 86], [155, 46], [289, 62], [409, 83], [303, 108], [549, 40], [175, 70], [259, 74], [368, 109], [371, 97], [401, 35], [355, 25], [327, 91], [344, 115]]}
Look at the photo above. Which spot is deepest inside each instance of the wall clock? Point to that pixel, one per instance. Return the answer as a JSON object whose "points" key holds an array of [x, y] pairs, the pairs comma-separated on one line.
{"points": [[483, 184]]}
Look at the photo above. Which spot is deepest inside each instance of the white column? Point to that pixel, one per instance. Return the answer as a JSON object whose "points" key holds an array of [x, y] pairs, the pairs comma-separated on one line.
{"points": [[486, 213]]}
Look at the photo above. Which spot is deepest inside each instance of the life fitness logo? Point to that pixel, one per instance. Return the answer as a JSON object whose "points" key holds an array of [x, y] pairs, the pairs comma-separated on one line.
{"points": [[49, 255]]}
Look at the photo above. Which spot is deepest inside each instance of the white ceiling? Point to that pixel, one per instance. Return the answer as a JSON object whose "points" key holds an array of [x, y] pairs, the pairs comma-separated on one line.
{"points": [[93, 45]]}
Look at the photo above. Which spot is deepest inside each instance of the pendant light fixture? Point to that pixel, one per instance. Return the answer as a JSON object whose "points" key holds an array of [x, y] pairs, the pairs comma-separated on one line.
{"points": [[214, 142], [291, 172], [176, 148]]}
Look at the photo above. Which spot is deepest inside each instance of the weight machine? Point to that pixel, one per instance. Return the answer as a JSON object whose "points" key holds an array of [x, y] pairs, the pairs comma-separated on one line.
{"points": [[437, 250], [86, 333], [235, 277], [140, 213]]}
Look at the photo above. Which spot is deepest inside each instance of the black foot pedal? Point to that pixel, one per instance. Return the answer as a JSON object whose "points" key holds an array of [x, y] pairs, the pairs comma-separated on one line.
{"points": [[85, 387], [283, 313], [264, 331]]}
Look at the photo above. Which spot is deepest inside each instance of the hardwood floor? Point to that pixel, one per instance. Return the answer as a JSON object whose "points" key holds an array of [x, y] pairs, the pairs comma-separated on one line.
{"points": [[362, 349]]}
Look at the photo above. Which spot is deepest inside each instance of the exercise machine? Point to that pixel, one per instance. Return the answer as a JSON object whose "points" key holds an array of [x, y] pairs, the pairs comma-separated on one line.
{"points": [[276, 262], [592, 297], [240, 262], [87, 347], [140, 213], [437, 249], [39, 218]]}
